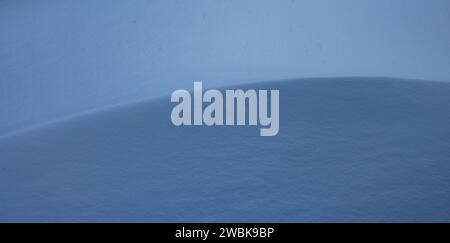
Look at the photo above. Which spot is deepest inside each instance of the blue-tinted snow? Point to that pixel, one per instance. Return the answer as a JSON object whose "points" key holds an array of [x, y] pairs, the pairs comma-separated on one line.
{"points": [[348, 150]]}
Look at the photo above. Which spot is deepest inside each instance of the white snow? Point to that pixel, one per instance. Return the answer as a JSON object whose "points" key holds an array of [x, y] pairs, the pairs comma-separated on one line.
{"points": [[353, 150]]}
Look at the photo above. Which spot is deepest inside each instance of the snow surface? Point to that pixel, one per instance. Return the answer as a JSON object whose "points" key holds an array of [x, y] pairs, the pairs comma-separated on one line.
{"points": [[353, 149]]}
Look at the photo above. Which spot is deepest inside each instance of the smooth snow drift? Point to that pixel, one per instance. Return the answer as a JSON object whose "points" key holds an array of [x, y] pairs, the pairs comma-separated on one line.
{"points": [[353, 150]]}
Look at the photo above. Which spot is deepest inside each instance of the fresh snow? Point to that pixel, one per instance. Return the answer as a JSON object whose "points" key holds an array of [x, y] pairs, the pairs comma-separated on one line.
{"points": [[350, 149]]}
